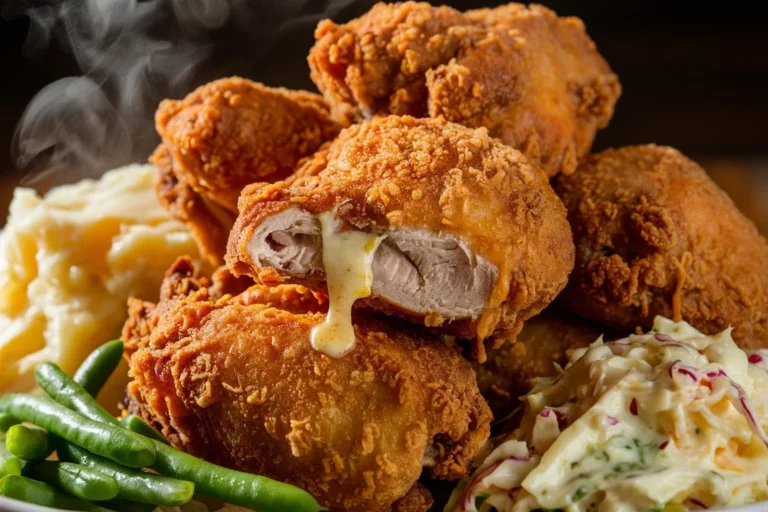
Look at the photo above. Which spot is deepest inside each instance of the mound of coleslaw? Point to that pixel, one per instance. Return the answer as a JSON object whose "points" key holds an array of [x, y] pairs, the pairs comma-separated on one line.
{"points": [[668, 421]]}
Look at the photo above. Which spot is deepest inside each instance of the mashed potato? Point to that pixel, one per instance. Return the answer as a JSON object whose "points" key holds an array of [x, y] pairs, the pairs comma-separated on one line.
{"points": [[69, 261]]}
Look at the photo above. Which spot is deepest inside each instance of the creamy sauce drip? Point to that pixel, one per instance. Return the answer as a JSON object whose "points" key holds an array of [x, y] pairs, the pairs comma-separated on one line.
{"points": [[347, 257]]}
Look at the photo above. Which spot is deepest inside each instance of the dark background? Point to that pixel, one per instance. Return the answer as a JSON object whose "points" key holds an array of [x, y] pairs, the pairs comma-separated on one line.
{"points": [[694, 74]]}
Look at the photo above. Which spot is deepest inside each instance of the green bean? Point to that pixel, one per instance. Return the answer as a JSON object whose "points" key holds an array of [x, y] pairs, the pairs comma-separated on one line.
{"points": [[27, 443], [235, 487], [79, 481], [114, 443], [60, 387], [9, 463], [7, 421], [39, 493], [134, 485], [138, 425], [98, 366]]}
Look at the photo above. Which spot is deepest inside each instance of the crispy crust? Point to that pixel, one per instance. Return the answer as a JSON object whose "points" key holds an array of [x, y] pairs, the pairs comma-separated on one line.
{"points": [[232, 132], [400, 171], [209, 223], [535, 80], [223, 136], [237, 382], [655, 236]]}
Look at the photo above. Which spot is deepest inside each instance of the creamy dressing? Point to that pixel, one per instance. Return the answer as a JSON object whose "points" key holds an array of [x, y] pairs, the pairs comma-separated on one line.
{"points": [[347, 257], [671, 420]]}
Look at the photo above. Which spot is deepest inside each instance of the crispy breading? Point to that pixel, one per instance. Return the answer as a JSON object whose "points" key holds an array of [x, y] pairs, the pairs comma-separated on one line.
{"points": [[237, 382], [655, 236], [397, 172], [208, 222], [546, 340], [225, 135], [186, 279], [418, 499], [535, 80]]}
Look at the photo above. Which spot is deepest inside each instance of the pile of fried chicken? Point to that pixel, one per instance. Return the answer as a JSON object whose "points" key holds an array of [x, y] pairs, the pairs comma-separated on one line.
{"points": [[462, 140]]}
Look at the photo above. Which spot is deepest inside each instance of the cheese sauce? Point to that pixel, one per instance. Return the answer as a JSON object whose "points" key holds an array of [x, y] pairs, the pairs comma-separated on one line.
{"points": [[347, 257], [667, 421]]}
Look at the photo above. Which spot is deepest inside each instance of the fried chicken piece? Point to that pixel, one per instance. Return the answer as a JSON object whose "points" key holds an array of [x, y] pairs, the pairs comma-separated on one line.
{"points": [[236, 381], [225, 135], [655, 236], [472, 238], [545, 341], [208, 222], [222, 285], [534, 80]]}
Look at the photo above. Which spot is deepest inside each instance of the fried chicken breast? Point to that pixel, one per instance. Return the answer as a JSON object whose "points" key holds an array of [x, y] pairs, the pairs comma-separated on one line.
{"points": [[545, 341], [535, 80], [471, 238], [225, 135], [655, 236], [234, 379]]}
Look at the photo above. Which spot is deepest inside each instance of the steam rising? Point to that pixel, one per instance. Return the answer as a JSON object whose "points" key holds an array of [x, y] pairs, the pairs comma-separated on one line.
{"points": [[70, 124], [134, 53]]}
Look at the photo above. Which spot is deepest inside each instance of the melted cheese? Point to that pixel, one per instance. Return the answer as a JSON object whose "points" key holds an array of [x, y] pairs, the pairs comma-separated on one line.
{"points": [[347, 257]]}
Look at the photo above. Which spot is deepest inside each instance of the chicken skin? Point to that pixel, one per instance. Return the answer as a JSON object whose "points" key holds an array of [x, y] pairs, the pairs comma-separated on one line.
{"points": [[655, 236], [535, 80], [208, 222], [471, 240], [234, 379], [225, 135], [545, 341]]}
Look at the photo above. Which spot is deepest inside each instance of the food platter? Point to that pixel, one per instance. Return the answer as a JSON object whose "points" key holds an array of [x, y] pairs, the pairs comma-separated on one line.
{"points": [[424, 273]]}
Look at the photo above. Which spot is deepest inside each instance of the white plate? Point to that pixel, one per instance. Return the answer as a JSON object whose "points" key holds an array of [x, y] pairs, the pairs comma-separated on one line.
{"points": [[9, 505]]}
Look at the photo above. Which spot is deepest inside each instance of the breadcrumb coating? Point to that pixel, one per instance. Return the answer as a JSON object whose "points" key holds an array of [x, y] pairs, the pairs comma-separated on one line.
{"points": [[655, 236], [225, 135], [235, 381], [535, 80], [208, 222], [428, 173]]}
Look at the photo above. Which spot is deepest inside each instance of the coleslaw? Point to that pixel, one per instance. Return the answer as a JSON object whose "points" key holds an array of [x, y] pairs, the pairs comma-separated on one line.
{"points": [[668, 421]]}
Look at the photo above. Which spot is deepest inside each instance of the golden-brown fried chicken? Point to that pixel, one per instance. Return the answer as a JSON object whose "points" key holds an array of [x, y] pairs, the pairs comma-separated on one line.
{"points": [[236, 381], [655, 236], [545, 341], [534, 80], [472, 240], [225, 135], [208, 222]]}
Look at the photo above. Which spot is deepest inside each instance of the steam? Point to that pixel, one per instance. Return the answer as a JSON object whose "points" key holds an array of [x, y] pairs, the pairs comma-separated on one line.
{"points": [[70, 124], [134, 53]]}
